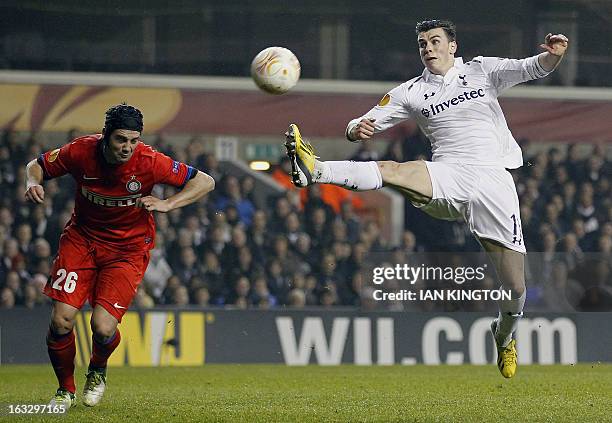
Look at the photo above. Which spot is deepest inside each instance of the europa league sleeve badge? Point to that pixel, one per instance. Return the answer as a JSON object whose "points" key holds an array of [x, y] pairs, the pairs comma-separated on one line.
{"points": [[133, 185]]}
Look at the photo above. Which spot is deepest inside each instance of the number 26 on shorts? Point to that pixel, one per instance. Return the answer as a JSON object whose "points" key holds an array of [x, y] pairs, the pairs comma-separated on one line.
{"points": [[69, 279]]}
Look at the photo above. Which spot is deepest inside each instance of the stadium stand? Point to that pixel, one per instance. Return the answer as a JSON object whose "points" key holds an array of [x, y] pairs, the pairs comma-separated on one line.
{"points": [[230, 250]]}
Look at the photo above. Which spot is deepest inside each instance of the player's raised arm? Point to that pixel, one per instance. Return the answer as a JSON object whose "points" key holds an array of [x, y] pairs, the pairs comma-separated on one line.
{"points": [[196, 188], [555, 46], [506, 73], [34, 177]]}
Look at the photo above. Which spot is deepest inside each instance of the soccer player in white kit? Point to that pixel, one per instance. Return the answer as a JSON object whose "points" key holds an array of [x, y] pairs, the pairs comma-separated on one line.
{"points": [[455, 105]]}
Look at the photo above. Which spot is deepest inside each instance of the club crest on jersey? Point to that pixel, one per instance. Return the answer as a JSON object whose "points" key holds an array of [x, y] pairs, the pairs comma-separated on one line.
{"points": [[133, 185], [53, 155]]}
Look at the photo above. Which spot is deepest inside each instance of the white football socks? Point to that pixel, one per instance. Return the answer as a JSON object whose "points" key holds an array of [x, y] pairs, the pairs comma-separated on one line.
{"points": [[510, 311], [356, 176]]}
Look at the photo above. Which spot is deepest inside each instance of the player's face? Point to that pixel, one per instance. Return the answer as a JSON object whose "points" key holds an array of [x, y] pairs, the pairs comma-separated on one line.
{"points": [[121, 144], [437, 52]]}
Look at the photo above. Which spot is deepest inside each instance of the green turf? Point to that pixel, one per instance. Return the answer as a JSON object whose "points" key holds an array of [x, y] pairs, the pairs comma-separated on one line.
{"points": [[581, 393]]}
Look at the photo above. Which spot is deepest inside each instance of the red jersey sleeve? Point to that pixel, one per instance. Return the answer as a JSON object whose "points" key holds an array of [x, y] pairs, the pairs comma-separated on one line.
{"points": [[56, 162], [171, 172]]}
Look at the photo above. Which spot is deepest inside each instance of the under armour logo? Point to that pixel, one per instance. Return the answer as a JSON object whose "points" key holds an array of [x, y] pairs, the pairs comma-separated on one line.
{"points": [[462, 78], [428, 95]]}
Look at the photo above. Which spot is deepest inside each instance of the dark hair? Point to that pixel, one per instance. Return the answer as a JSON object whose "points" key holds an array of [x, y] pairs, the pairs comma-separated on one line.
{"points": [[447, 26], [122, 116]]}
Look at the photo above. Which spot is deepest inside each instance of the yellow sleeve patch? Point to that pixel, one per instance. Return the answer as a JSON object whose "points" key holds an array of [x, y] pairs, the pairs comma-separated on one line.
{"points": [[385, 100], [53, 155]]}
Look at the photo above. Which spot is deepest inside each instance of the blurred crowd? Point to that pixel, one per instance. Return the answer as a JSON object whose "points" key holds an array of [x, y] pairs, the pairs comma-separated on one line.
{"points": [[313, 247]]}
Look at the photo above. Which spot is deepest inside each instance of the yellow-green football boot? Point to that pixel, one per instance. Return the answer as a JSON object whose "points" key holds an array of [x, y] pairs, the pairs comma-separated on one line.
{"points": [[302, 157], [506, 356]]}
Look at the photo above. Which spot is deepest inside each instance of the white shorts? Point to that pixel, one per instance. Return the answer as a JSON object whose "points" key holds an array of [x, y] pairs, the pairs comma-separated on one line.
{"points": [[485, 197]]}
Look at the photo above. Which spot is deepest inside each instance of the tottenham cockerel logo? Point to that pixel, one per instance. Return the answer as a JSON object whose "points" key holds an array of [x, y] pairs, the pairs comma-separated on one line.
{"points": [[133, 185]]}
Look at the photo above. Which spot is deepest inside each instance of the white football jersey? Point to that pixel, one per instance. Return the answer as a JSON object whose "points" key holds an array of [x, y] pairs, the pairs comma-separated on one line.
{"points": [[459, 111]]}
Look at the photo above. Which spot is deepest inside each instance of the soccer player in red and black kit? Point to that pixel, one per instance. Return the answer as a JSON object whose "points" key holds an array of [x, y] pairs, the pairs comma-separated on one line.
{"points": [[104, 248]]}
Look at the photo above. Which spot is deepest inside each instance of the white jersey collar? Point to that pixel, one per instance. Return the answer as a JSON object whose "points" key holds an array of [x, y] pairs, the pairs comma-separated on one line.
{"points": [[432, 77]]}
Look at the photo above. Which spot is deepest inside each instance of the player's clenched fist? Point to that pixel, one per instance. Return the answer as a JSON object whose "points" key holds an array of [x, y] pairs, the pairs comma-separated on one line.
{"points": [[555, 44], [364, 129], [35, 194]]}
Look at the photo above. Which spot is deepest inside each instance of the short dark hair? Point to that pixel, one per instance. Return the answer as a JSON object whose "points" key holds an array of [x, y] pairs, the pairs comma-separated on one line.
{"points": [[122, 116], [447, 26]]}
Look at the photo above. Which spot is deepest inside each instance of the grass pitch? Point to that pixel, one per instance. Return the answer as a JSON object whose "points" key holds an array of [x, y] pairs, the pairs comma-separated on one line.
{"points": [[267, 393]]}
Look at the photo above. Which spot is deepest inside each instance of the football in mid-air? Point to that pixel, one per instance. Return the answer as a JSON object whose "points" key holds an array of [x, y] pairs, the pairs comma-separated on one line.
{"points": [[275, 70]]}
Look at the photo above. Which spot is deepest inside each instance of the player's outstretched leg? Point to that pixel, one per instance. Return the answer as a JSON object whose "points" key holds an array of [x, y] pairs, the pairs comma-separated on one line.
{"points": [[306, 169], [105, 339]]}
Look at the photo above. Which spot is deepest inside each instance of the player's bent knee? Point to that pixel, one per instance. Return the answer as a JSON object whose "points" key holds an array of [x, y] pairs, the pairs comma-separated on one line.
{"points": [[103, 329], [411, 176], [516, 285], [389, 171], [395, 173], [513, 281], [61, 324], [62, 317]]}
